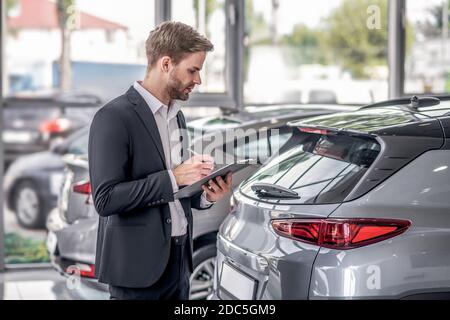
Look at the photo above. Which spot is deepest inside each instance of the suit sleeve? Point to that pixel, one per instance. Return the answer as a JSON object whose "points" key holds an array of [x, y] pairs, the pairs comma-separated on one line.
{"points": [[109, 151], [198, 203]]}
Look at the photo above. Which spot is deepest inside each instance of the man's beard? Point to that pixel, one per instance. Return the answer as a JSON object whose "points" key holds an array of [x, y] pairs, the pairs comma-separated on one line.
{"points": [[177, 90]]}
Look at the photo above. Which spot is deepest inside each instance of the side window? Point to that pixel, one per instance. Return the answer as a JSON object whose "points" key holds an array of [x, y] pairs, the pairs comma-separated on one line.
{"points": [[260, 146]]}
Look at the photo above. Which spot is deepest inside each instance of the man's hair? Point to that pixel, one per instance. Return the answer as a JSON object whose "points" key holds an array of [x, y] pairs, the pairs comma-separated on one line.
{"points": [[176, 40]]}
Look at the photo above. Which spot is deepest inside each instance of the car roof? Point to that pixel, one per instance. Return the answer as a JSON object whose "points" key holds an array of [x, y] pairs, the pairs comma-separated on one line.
{"points": [[381, 118], [251, 115]]}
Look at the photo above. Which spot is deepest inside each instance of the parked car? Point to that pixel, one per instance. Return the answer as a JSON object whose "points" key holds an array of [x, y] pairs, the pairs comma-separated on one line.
{"points": [[356, 208], [32, 123], [32, 182], [234, 118], [73, 226]]}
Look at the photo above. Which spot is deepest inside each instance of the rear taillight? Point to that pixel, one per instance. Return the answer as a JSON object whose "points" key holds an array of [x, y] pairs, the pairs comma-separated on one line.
{"points": [[55, 126], [82, 187], [314, 130], [84, 270], [340, 233]]}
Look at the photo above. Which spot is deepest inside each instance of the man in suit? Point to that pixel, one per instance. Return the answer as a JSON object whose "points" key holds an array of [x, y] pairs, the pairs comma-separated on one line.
{"points": [[137, 160]]}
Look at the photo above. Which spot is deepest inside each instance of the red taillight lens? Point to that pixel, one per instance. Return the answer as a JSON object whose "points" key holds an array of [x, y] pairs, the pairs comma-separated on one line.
{"points": [[82, 187], [307, 231], [84, 270], [314, 130], [88, 272], [340, 233], [55, 126]]}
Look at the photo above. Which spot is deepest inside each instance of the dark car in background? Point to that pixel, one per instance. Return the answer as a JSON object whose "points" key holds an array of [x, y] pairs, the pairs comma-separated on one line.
{"points": [[32, 123], [71, 240], [32, 182], [231, 118]]}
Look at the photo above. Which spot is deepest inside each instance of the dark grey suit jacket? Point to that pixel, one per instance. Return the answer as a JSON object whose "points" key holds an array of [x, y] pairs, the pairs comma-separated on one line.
{"points": [[131, 189]]}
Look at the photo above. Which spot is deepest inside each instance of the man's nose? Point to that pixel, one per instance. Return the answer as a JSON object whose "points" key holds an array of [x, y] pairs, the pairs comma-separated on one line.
{"points": [[198, 80]]}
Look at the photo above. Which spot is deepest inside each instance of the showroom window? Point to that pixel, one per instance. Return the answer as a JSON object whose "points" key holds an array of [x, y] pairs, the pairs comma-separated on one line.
{"points": [[315, 52], [208, 17], [103, 44], [221, 22], [102, 54], [427, 47]]}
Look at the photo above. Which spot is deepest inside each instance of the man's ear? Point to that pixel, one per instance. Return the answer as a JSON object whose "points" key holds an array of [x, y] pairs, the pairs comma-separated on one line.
{"points": [[165, 63]]}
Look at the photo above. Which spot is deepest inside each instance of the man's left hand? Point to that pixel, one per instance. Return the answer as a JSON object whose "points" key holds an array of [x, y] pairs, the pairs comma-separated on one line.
{"points": [[217, 188]]}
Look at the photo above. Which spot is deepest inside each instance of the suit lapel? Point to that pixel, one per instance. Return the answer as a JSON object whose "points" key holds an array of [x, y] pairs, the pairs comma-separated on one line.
{"points": [[184, 138], [148, 119]]}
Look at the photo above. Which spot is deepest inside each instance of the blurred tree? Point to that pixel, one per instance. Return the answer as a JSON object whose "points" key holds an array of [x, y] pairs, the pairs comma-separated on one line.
{"points": [[210, 7], [257, 31], [275, 5], [433, 27], [66, 19], [10, 4], [306, 45], [354, 44]]}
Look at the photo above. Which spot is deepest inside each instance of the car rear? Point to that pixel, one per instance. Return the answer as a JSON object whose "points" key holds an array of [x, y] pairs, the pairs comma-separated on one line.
{"points": [[73, 225], [306, 225]]}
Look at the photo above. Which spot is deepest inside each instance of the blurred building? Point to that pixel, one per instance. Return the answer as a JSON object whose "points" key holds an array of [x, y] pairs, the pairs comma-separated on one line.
{"points": [[34, 43]]}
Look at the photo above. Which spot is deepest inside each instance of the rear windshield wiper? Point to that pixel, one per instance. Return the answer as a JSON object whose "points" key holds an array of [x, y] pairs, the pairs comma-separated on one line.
{"points": [[267, 190]]}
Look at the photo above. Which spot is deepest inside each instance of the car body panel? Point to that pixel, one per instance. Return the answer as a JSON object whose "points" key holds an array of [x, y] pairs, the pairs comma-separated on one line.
{"points": [[413, 264], [416, 261], [281, 266], [43, 168]]}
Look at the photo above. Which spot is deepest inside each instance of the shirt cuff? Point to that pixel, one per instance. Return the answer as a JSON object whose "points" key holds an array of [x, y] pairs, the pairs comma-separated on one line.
{"points": [[204, 203], [173, 180]]}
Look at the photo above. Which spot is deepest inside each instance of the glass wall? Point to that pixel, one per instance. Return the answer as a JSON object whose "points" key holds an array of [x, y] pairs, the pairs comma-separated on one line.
{"points": [[209, 18], [325, 51], [427, 63], [63, 60]]}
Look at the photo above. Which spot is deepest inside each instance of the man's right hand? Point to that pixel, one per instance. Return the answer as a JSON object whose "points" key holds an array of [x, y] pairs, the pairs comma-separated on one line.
{"points": [[193, 169]]}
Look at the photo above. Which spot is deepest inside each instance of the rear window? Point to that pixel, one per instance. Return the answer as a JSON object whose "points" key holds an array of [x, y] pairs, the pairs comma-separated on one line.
{"points": [[320, 168]]}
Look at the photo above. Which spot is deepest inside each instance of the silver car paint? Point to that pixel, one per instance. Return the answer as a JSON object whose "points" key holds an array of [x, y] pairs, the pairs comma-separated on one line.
{"points": [[417, 261], [281, 266]]}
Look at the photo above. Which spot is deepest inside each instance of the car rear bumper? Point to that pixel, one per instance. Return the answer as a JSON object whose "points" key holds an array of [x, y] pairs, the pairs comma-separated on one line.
{"points": [[283, 273]]}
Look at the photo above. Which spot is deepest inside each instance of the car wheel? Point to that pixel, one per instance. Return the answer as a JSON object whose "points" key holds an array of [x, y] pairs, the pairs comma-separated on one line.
{"points": [[204, 260], [28, 205]]}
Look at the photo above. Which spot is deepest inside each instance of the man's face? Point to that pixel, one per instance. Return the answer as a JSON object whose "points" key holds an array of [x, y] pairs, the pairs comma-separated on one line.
{"points": [[184, 76]]}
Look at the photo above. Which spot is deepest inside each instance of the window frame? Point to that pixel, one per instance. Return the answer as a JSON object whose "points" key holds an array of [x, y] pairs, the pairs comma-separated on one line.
{"points": [[233, 96]]}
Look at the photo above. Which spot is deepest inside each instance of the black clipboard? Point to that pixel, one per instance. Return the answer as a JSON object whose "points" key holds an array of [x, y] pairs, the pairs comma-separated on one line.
{"points": [[196, 187]]}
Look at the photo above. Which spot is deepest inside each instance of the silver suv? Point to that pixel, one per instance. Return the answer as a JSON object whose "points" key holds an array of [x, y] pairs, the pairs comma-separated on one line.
{"points": [[357, 208]]}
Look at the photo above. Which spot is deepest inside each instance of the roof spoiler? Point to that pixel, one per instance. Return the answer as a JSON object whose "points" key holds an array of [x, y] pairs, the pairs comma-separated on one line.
{"points": [[413, 103], [323, 130]]}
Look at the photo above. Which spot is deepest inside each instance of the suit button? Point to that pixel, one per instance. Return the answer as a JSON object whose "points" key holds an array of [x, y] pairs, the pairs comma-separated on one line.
{"points": [[168, 221]]}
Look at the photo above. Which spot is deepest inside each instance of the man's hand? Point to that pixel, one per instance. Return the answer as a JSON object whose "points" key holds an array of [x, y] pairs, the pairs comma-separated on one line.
{"points": [[218, 188], [193, 169]]}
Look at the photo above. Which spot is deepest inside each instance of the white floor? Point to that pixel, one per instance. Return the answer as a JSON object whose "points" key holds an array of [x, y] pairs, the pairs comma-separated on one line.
{"points": [[45, 284]]}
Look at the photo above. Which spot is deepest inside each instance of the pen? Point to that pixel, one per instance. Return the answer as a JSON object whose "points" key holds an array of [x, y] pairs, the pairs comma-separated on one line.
{"points": [[195, 153]]}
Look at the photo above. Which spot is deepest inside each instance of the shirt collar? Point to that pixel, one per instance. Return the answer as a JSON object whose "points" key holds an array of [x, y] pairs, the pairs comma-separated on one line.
{"points": [[153, 102]]}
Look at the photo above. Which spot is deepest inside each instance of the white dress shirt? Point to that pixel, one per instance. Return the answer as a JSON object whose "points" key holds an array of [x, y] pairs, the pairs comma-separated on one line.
{"points": [[166, 120]]}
